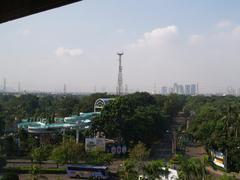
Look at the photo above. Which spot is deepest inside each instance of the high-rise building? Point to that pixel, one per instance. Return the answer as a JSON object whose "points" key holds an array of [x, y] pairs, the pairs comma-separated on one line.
{"points": [[187, 89], [231, 91], [197, 89], [180, 89], [164, 90], [193, 89], [170, 90], [175, 88]]}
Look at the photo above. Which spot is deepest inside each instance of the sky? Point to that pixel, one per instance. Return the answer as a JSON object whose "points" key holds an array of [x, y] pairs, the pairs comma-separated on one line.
{"points": [[164, 41]]}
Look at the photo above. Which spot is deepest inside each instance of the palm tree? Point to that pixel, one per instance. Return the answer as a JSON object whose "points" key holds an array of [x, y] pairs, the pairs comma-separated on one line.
{"points": [[155, 169], [231, 121], [128, 170]]}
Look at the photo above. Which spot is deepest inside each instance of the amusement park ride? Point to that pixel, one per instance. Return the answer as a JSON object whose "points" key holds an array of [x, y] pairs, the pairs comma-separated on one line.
{"points": [[73, 123]]}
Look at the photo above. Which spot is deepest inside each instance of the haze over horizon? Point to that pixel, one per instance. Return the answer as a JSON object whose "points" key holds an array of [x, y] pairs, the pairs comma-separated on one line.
{"points": [[163, 41]]}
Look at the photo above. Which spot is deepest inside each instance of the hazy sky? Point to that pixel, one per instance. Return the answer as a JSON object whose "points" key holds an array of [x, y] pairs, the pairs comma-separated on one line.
{"points": [[164, 41]]}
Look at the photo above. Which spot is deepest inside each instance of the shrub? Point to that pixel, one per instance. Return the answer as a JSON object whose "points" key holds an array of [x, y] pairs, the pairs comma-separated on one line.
{"points": [[10, 176]]}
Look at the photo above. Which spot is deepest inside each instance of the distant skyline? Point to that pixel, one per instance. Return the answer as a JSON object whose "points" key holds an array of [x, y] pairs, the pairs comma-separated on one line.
{"points": [[163, 42], [156, 89]]}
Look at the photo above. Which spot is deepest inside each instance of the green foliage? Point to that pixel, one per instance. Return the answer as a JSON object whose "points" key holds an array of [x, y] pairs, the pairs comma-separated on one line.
{"points": [[193, 103], [139, 152], [173, 104], [2, 122], [35, 170], [58, 156], [9, 146], [226, 177], [217, 125], [134, 166], [41, 154], [10, 176], [137, 164], [31, 142], [132, 118], [3, 161], [128, 170], [68, 152], [33, 107], [145, 125], [154, 169], [176, 160], [191, 168], [27, 142], [215, 121], [97, 157]]}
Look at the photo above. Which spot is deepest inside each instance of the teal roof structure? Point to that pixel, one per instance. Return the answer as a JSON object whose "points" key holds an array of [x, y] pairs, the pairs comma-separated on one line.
{"points": [[81, 122]]}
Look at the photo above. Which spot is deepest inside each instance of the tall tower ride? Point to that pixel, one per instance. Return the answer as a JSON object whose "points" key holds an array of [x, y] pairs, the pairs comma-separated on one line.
{"points": [[120, 77]]}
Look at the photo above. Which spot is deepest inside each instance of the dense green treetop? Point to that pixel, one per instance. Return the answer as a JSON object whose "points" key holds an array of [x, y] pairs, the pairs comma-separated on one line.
{"points": [[133, 118], [216, 123]]}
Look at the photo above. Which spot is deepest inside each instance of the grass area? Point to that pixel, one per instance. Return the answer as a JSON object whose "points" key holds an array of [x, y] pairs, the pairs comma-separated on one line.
{"points": [[27, 169]]}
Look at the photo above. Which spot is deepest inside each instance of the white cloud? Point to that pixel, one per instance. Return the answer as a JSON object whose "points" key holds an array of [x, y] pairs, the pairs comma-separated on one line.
{"points": [[157, 37], [224, 24], [163, 55], [61, 51], [196, 39]]}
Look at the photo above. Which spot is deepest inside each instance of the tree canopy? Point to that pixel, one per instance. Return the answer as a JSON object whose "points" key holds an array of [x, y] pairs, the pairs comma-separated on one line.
{"points": [[216, 123], [133, 118]]}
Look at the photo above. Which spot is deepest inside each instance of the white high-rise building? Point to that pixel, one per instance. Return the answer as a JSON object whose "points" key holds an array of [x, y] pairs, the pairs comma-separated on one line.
{"points": [[164, 90], [193, 89], [187, 89], [175, 88], [181, 89]]}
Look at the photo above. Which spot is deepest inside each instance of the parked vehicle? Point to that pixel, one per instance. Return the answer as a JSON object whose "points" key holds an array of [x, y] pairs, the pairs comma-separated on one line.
{"points": [[87, 171]]}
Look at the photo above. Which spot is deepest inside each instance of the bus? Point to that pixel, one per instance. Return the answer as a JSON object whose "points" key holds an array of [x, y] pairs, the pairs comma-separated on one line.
{"points": [[87, 171]]}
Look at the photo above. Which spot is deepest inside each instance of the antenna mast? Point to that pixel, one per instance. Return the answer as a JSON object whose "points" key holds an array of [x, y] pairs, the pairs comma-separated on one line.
{"points": [[64, 89], [120, 77]]}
